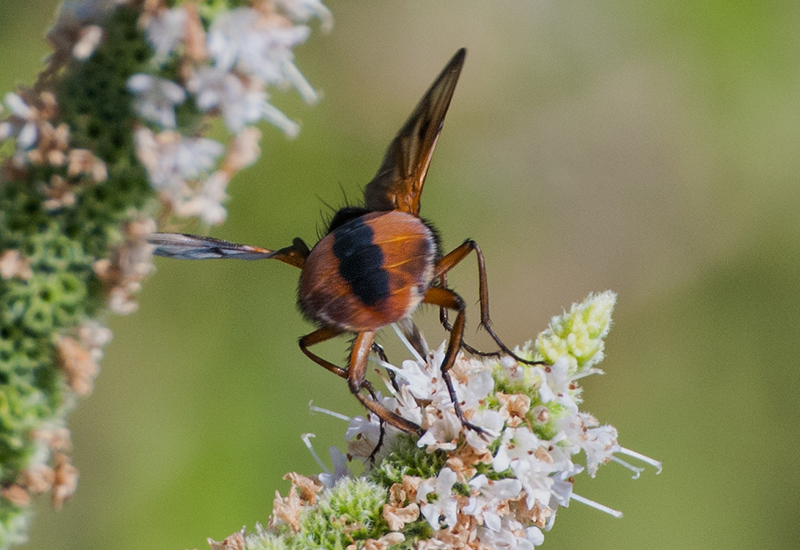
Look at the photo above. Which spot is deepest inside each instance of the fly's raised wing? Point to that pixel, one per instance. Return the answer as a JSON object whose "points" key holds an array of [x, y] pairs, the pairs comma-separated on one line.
{"points": [[398, 183], [195, 247]]}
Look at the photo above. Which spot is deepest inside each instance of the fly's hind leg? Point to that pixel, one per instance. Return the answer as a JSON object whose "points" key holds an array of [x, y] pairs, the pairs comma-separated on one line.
{"points": [[445, 298], [444, 265]]}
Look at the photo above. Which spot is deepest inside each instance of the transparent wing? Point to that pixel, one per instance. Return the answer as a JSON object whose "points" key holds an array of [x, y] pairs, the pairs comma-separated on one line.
{"points": [[194, 247], [398, 183]]}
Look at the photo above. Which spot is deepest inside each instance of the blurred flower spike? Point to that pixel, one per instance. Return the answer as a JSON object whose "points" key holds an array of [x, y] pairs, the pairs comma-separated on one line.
{"points": [[454, 488], [110, 135]]}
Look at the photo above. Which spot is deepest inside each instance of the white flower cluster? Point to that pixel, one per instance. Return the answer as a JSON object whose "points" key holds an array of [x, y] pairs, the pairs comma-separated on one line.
{"points": [[533, 431], [225, 69]]}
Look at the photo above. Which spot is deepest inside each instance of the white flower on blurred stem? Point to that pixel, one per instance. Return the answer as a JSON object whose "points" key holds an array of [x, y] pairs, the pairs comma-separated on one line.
{"points": [[303, 10], [258, 44], [206, 203], [487, 495], [77, 31], [90, 37], [165, 32], [443, 502], [243, 150], [240, 103], [156, 98], [171, 160], [275, 116], [23, 124]]}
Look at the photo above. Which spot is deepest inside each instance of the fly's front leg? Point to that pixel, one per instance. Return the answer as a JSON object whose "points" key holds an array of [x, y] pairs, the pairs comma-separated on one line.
{"points": [[318, 336], [356, 380]]}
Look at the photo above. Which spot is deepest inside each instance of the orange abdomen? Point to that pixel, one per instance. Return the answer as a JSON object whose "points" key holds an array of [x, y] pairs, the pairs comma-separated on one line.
{"points": [[369, 272]]}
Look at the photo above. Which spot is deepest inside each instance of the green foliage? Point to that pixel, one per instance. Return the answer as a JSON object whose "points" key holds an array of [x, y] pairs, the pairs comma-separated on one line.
{"points": [[264, 540], [95, 104], [62, 244], [350, 511], [406, 459]]}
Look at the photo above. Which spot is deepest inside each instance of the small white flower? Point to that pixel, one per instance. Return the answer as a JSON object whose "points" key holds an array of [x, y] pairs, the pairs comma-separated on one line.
{"points": [[90, 37], [362, 436], [156, 98], [340, 469], [77, 30], [240, 104], [172, 160], [478, 385], [443, 431], [405, 404], [303, 10], [443, 504], [487, 495], [561, 491], [580, 431], [535, 476], [423, 380], [516, 444], [556, 383], [513, 371], [599, 444], [206, 204], [259, 45], [530, 462], [492, 424], [165, 31], [511, 536], [24, 124]]}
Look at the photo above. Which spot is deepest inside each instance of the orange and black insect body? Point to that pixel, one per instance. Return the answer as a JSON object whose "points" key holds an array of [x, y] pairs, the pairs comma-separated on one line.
{"points": [[368, 272], [377, 263]]}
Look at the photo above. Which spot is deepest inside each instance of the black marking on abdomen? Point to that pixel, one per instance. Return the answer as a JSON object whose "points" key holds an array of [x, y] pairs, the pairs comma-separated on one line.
{"points": [[361, 261]]}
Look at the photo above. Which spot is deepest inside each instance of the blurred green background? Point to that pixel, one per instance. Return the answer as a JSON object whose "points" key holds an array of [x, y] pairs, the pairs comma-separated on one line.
{"points": [[650, 148]]}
